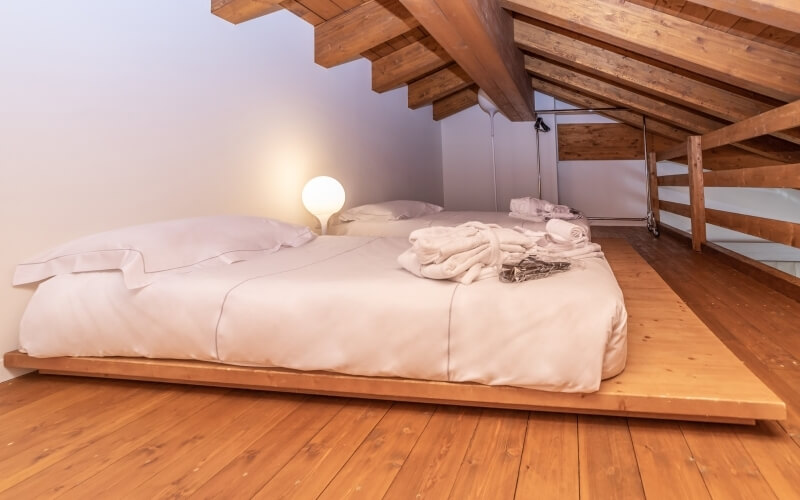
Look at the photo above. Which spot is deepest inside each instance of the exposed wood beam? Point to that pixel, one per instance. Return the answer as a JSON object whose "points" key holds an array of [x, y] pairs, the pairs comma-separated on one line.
{"points": [[239, 11], [697, 197], [729, 58], [409, 63], [652, 179], [454, 103], [640, 75], [344, 37], [649, 106], [724, 158], [681, 209], [438, 85], [772, 121], [478, 34], [780, 13]]}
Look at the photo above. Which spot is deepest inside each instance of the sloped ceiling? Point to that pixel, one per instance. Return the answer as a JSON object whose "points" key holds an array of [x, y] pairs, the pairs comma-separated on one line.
{"points": [[688, 67]]}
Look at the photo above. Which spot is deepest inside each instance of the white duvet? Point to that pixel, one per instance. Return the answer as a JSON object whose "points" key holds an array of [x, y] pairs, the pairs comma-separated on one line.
{"points": [[404, 227], [345, 305]]}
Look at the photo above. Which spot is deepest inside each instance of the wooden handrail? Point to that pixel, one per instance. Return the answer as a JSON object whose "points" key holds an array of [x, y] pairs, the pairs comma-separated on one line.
{"points": [[675, 208], [771, 121], [774, 176], [778, 231]]}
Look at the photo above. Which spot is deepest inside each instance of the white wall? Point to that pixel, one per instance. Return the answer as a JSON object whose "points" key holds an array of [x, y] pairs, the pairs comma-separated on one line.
{"points": [[115, 113], [598, 188]]}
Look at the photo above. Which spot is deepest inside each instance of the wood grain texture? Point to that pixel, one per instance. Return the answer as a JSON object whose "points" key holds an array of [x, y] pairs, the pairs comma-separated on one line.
{"points": [[407, 64], [437, 86], [778, 231], [676, 208], [344, 37], [768, 122], [478, 35], [666, 465], [775, 176], [599, 141], [239, 11], [455, 102], [744, 63], [608, 467], [549, 463], [639, 75], [652, 179], [781, 13], [697, 197], [429, 472]]}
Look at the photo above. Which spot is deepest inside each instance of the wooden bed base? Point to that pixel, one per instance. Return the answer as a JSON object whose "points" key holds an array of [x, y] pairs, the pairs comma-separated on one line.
{"points": [[677, 368]]}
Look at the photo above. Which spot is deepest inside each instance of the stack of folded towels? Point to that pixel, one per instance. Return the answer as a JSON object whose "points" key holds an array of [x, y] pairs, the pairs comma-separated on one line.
{"points": [[536, 210], [475, 251]]}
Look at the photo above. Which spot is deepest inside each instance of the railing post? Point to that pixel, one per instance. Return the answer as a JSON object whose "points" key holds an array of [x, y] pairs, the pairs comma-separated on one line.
{"points": [[652, 172], [697, 197]]}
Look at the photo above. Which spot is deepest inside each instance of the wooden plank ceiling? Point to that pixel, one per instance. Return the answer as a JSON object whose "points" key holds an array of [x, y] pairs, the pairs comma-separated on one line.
{"points": [[688, 67]]}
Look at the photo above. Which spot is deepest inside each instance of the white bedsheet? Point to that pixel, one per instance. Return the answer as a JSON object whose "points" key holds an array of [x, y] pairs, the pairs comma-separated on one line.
{"points": [[343, 304], [402, 228]]}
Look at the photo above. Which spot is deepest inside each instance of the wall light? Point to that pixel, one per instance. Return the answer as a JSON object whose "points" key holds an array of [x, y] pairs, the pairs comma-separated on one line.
{"points": [[323, 196]]}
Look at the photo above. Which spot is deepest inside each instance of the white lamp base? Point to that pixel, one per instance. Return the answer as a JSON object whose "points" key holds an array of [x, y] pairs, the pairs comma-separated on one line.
{"points": [[323, 222]]}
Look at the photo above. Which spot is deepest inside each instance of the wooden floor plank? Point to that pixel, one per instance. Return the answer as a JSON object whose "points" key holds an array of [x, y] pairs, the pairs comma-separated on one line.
{"points": [[608, 468], [181, 478], [432, 466], [373, 467], [315, 465], [246, 474], [776, 456], [727, 468], [97, 454], [549, 466], [22, 391], [665, 462], [491, 465], [43, 447], [176, 443]]}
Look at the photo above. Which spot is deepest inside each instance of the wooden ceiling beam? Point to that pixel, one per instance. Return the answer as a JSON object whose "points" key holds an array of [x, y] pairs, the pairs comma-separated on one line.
{"points": [[438, 85], [344, 37], [649, 106], [407, 64], [640, 75], [239, 11], [728, 58], [779, 13], [718, 159], [478, 34], [458, 101]]}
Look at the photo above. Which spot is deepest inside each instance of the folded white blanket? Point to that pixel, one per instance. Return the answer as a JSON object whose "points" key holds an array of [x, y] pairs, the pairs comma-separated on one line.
{"points": [[523, 216]]}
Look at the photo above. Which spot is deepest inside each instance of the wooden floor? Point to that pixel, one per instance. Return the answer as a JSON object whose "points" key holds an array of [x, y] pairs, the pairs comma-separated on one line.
{"points": [[84, 438]]}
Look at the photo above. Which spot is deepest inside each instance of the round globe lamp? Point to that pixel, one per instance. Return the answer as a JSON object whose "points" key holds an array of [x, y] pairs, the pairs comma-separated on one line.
{"points": [[323, 196]]}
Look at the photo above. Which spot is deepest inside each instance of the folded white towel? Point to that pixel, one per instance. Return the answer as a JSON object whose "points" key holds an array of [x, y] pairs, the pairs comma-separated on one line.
{"points": [[523, 216], [565, 232]]}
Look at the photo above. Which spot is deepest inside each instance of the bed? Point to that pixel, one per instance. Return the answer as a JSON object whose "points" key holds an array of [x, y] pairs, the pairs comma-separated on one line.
{"points": [[403, 227], [344, 305]]}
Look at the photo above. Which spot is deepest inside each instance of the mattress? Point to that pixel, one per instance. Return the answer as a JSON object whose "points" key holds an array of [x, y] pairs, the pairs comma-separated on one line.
{"points": [[402, 228], [343, 304]]}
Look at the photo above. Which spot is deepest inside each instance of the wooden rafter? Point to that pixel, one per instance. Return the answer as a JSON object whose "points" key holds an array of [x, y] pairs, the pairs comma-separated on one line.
{"points": [[438, 85], [729, 58], [649, 106], [407, 64], [478, 35], [639, 75], [780, 13], [239, 11], [723, 158], [455, 102], [344, 37]]}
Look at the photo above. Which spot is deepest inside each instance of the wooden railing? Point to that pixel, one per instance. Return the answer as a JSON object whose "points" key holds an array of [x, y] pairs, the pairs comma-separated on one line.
{"points": [[777, 176]]}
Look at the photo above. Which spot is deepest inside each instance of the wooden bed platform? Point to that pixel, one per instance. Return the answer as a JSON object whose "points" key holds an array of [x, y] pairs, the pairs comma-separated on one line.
{"points": [[677, 368]]}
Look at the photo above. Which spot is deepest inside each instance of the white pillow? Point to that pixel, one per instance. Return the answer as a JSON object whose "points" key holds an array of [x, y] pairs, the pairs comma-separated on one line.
{"points": [[144, 252], [390, 210]]}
